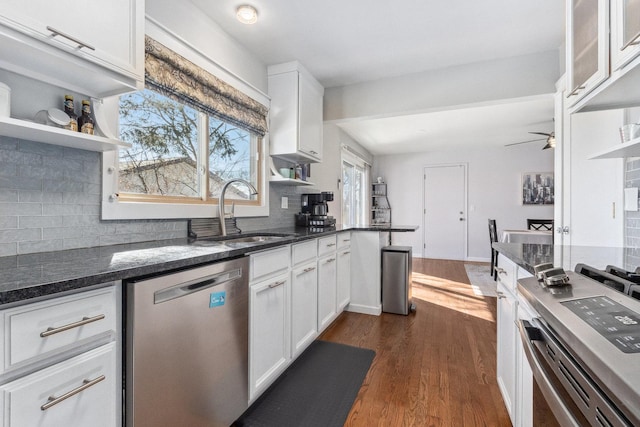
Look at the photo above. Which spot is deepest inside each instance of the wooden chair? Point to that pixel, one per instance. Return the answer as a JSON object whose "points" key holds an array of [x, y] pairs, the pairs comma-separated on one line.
{"points": [[493, 238], [540, 224]]}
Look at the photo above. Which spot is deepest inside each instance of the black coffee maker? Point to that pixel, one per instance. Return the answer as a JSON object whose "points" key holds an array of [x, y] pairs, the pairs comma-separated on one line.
{"points": [[315, 210]]}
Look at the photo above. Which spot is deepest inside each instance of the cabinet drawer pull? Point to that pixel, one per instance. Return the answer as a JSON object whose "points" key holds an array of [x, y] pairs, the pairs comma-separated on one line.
{"points": [[276, 284], [575, 91], [633, 42], [330, 244], [501, 270], [84, 321], [85, 385], [68, 37], [346, 253], [305, 271], [330, 260]]}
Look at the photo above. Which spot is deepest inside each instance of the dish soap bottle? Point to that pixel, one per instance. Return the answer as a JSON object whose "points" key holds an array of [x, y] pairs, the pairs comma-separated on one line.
{"points": [[69, 109], [85, 123]]}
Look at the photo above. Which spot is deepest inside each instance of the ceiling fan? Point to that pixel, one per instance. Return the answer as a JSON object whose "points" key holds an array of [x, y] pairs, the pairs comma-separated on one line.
{"points": [[550, 139]]}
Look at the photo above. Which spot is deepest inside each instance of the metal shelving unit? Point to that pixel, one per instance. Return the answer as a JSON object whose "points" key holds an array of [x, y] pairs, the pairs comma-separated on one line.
{"points": [[380, 207]]}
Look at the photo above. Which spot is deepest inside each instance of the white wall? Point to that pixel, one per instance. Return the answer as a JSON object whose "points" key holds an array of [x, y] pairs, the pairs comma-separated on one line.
{"points": [[467, 84], [326, 174], [494, 190], [190, 24]]}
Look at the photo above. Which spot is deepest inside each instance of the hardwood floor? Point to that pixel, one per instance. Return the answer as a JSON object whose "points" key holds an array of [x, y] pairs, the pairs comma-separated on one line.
{"points": [[435, 367]]}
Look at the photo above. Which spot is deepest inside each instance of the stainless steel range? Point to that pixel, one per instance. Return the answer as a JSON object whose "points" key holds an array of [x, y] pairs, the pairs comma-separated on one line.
{"points": [[583, 347]]}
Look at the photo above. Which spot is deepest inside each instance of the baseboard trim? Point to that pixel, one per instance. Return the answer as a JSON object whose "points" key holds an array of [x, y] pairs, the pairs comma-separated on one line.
{"points": [[364, 309]]}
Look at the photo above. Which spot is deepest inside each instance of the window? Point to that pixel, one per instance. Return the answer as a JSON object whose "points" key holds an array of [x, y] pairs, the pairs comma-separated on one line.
{"points": [[190, 132], [355, 178], [172, 142]]}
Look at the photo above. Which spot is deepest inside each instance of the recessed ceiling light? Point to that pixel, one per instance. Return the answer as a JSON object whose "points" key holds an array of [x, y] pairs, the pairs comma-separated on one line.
{"points": [[247, 14]]}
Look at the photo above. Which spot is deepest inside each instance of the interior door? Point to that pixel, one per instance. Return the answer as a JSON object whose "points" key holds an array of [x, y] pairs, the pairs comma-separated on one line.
{"points": [[445, 226]]}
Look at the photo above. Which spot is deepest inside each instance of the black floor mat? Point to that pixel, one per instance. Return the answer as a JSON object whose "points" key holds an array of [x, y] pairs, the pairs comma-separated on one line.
{"points": [[318, 389]]}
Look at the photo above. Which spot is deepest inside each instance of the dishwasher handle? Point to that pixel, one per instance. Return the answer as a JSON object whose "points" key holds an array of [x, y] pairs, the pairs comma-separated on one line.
{"points": [[187, 288]]}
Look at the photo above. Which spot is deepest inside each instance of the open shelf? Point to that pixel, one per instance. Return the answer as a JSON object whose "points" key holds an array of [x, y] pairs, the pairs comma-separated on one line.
{"points": [[627, 149], [288, 181], [31, 131]]}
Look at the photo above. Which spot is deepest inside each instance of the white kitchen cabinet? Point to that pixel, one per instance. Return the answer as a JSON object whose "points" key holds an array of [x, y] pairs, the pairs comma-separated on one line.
{"points": [[269, 317], [304, 295], [94, 48], [61, 363], [304, 306], [327, 245], [296, 113], [89, 381], [506, 347], [268, 263], [343, 255], [366, 264], [524, 378], [507, 273], [327, 287], [269, 333], [625, 32], [587, 46]]}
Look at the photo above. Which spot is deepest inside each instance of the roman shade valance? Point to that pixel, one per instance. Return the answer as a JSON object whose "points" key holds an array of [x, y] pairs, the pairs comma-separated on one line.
{"points": [[182, 80]]}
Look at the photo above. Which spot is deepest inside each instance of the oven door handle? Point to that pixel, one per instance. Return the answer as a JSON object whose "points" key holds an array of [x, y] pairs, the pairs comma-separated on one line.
{"points": [[529, 333]]}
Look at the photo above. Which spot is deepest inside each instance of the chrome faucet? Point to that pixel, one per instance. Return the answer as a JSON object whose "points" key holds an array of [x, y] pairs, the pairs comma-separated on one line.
{"points": [[223, 226]]}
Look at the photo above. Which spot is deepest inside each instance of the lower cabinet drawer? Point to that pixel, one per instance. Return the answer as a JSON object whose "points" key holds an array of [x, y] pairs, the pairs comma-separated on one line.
{"points": [[507, 272], [304, 251], [269, 262], [78, 392], [34, 330], [326, 245]]}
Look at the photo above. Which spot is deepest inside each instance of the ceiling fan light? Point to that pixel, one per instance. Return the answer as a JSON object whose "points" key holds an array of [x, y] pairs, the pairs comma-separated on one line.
{"points": [[551, 142], [247, 14]]}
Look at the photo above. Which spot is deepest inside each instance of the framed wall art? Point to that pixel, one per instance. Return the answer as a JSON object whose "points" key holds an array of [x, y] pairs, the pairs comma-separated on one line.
{"points": [[537, 188]]}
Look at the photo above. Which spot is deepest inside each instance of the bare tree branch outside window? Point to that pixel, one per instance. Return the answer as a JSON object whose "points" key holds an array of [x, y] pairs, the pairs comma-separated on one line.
{"points": [[163, 159]]}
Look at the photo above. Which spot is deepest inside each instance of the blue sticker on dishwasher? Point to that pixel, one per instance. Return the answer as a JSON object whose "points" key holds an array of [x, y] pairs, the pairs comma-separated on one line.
{"points": [[216, 299]]}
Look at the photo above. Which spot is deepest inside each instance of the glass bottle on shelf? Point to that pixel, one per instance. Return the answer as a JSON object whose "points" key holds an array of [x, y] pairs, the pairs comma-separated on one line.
{"points": [[85, 123], [69, 108]]}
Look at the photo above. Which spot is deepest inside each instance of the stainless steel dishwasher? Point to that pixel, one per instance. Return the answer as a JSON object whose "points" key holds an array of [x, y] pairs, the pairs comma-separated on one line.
{"points": [[187, 347]]}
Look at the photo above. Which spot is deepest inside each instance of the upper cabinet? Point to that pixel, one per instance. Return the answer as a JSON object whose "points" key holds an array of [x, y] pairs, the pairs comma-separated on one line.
{"points": [[93, 48], [296, 113], [587, 46], [625, 34], [600, 78]]}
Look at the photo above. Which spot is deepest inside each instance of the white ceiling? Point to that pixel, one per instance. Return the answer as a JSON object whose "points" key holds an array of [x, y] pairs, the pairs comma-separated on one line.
{"points": [[344, 42]]}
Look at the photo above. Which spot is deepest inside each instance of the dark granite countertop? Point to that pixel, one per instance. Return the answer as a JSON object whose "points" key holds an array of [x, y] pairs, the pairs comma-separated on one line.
{"points": [[30, 276], [527, 255]]}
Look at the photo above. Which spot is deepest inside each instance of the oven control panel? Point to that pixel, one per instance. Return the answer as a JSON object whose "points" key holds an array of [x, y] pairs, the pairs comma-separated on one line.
{"points": [[618, 324]]}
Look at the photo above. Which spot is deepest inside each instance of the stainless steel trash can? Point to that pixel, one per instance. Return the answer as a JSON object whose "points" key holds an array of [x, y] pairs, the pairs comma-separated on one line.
{"points": [[396, 279]]}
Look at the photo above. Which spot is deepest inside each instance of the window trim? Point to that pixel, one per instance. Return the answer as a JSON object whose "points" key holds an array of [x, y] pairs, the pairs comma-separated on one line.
{"points": [[112, 208], [358, 162]]}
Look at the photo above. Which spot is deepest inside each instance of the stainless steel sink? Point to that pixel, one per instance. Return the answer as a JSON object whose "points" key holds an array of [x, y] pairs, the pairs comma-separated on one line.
{"points": [[241, 240], [251, 239]]}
